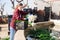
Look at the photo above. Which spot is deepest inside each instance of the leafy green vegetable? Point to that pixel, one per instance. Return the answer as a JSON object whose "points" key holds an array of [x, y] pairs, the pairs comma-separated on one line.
{"points": [[41, 34], [18, 21], [5, 38]]}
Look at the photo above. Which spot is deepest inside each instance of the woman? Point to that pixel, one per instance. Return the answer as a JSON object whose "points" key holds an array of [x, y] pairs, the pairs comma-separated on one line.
{"points": [[16, 16]]}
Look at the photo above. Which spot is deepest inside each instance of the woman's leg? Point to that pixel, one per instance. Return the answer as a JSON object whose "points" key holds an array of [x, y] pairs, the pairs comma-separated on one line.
{"points": [[12, 33]]}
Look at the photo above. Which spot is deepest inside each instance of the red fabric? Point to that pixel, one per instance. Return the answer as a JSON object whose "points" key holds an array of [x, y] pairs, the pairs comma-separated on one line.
{"points": [[16, 16]]}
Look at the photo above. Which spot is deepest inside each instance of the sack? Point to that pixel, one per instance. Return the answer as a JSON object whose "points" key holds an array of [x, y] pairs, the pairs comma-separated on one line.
{"points": [[20, 25]]}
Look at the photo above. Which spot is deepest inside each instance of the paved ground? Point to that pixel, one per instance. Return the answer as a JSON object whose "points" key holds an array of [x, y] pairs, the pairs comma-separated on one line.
{"points": [[4, 30], [56, 29]]}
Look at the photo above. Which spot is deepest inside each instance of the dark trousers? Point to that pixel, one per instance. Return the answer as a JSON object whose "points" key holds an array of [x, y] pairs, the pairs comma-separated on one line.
{"points": [[25, 24], [9, 20]]}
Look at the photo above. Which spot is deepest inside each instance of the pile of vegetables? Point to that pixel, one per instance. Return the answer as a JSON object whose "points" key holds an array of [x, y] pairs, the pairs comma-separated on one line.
{"points": [[41, 34]]}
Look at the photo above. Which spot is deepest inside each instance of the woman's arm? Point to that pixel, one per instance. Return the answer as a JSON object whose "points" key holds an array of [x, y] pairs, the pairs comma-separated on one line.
{"points": [[24, 5], [15, 15]]}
